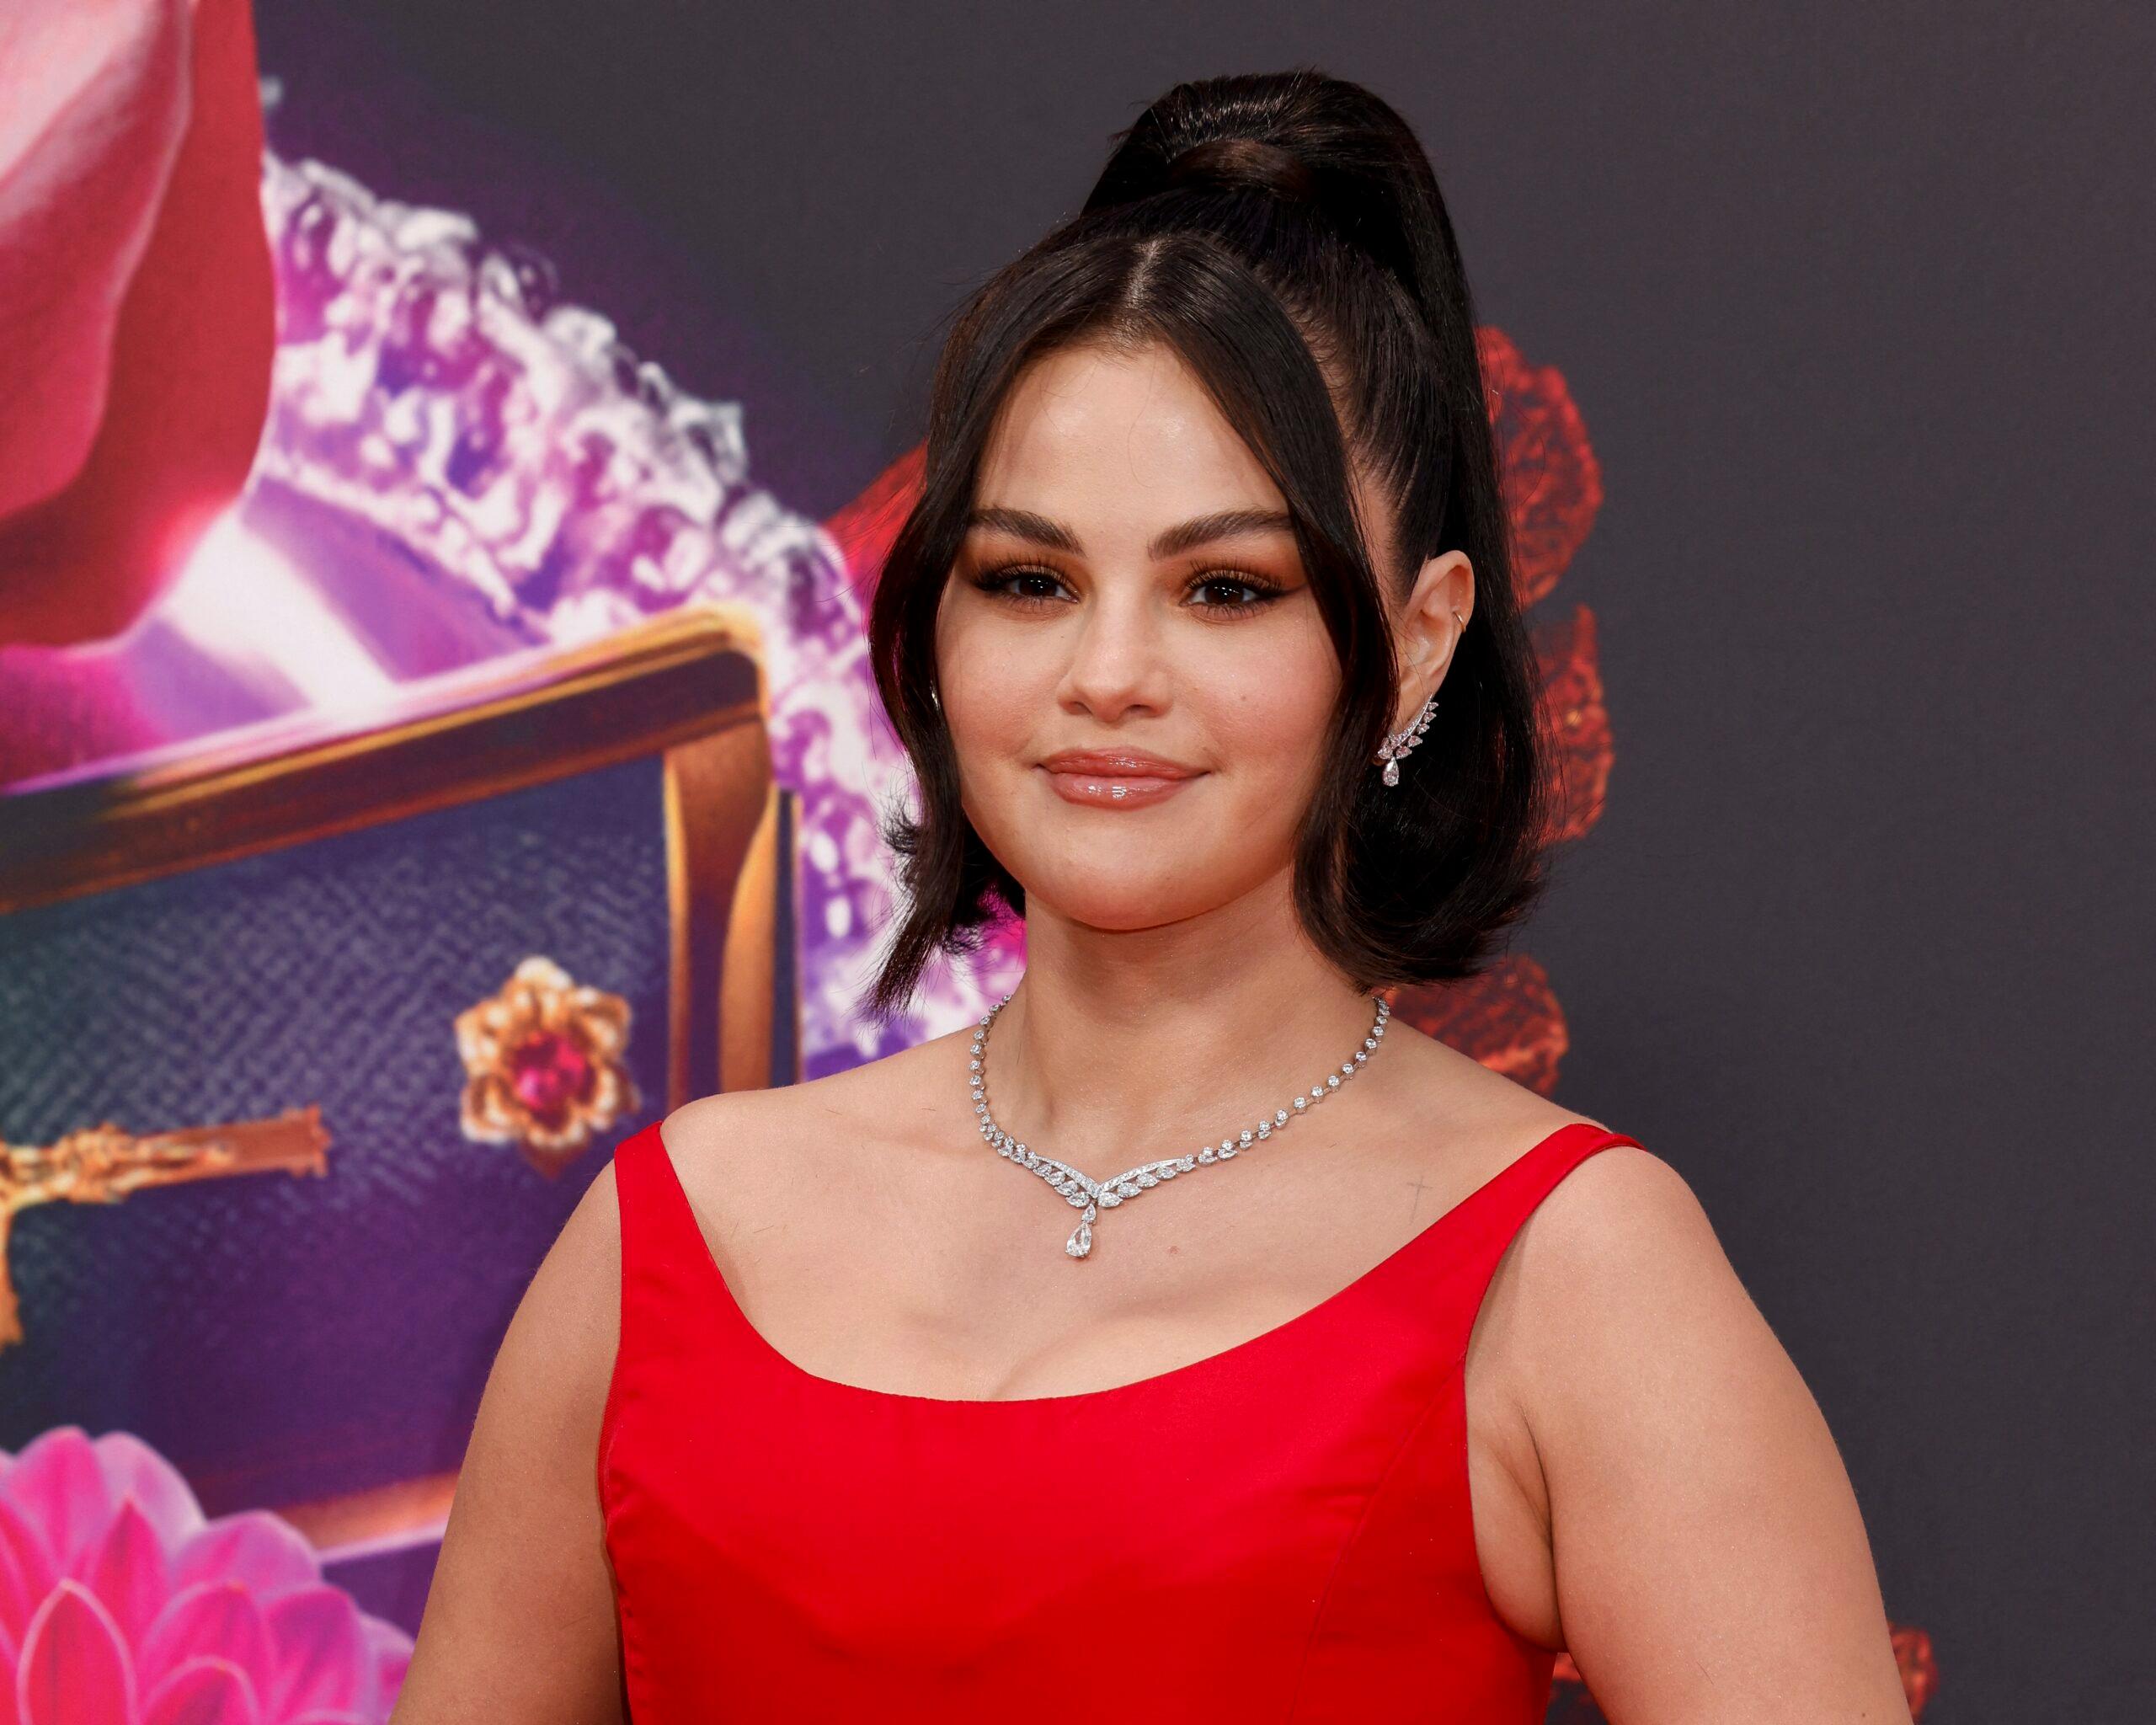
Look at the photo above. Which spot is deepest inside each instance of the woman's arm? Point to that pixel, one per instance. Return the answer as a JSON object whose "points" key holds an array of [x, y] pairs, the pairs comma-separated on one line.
{"points": [[520, 1620], [1711, 1562]]}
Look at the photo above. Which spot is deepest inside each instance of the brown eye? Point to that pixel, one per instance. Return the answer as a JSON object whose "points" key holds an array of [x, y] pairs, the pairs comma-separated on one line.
{"points": [[1257, 592], [1021, 584], [1018, 583]]}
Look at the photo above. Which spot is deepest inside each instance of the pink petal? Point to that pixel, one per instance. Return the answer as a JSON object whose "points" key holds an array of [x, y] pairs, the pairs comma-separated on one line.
{"points": [[322, 1660], [73, 1669], [126, 1568], [60, 1489], [131, 1466], [31, 1553], [392, 1651], [28, 1571], [264, 1551], [332, 1717], [214, 1620], [203, 1692], [93, 103]]}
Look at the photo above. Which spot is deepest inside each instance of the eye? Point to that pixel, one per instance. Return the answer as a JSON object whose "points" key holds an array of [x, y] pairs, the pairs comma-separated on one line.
{"points": [[1021, 584], [1262, 589], [1005, 580]]}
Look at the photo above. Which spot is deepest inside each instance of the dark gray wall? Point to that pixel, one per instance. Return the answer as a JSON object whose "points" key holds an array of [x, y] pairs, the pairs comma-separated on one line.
{"points": [[1848, 299]]}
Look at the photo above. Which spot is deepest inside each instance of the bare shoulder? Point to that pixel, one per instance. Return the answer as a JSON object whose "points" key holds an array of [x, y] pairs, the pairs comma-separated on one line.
{"points": [[1620, 1204], [734, 1138], [1696, 1498], [561, 1337], [518, 1620], [1475, 1120], [1631, 1336], [1624, 1232], [1618, 1261], [558, 1351]]}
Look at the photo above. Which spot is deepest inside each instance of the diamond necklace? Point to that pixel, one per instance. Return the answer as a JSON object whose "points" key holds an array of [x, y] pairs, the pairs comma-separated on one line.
{"points": [[1091, 1196]]}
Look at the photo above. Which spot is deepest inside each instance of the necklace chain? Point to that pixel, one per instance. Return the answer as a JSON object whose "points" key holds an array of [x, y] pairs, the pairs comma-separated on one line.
{"points": [[1092, 1196]]}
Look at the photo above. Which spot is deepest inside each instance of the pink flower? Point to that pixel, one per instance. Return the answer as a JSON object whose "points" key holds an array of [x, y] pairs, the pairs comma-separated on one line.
{"points": [[121, 1604]]}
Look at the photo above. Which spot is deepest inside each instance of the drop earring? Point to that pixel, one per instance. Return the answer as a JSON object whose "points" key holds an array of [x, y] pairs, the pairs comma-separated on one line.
{"points": [[1396, 747], [1399, 745]]}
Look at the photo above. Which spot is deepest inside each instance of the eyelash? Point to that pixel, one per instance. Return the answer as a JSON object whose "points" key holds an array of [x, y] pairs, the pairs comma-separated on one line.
{"points": [[997, 581]]}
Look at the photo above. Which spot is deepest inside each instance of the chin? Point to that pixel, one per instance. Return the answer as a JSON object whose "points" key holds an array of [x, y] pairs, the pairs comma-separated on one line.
{"points": [[1118, 900]]}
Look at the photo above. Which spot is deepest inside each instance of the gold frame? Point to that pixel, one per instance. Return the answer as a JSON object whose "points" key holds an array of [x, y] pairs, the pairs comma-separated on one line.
{"points": [[688, 684]]}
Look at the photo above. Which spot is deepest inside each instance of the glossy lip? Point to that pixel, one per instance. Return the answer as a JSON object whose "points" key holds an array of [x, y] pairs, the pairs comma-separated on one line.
{"points": [[1126, 762], [1101, 778]]}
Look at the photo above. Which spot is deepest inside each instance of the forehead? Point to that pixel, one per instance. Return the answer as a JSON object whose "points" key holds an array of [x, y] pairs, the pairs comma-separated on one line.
{"points": [[1114, 439]]}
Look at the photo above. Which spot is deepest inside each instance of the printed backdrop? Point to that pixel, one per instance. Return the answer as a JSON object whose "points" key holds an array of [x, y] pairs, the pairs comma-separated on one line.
{"points": [[443, 468]]}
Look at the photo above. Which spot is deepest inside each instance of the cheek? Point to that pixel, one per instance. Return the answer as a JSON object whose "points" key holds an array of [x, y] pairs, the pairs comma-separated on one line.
{"points": [[1267, 728], [996, 704], [993, 700]]}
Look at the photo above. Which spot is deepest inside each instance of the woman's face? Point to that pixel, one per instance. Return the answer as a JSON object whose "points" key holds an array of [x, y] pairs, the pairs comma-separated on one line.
{"points": [[1130, 586]]}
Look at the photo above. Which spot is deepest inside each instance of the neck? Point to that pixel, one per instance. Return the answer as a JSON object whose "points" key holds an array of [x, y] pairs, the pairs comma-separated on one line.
{"points": [[1119, 1046]]}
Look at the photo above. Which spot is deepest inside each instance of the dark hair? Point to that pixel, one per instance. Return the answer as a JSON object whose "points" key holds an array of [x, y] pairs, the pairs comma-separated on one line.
{"points": [[1284, 233]]}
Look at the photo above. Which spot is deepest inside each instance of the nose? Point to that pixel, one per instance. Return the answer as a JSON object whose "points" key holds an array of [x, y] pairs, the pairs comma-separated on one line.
{"points": [[1117, 661]]}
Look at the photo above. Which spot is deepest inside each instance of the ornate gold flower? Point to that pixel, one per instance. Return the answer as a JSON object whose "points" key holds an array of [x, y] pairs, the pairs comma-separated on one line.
{"points": [[544, 1065]]}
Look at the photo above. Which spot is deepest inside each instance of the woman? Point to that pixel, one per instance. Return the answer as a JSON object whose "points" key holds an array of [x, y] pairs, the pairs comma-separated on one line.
{"points": [[816, 1412]]}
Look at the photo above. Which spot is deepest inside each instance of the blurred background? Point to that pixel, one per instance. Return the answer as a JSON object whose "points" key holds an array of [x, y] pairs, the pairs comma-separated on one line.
{"points": [[444, 458]]}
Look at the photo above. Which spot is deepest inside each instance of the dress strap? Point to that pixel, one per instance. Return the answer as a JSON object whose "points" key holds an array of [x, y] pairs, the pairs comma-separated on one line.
{"points": [[1493, 1216], [1413, 1558], [666, 1266]]}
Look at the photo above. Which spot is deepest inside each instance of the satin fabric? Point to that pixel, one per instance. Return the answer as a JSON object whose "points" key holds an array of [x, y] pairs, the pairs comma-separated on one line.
{"points": [[1278, 1531]]}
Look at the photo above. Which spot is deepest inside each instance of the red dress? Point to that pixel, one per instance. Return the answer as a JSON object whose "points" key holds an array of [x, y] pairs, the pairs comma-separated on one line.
{"points": [[1279, 1532]]}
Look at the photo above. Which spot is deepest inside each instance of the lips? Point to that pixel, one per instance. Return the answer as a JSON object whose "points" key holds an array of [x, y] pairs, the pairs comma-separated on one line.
{"points": [[1117, 763], [1101, 778]]}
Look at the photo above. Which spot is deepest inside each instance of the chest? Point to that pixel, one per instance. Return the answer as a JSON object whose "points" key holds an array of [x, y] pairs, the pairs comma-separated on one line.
{"points": [[1215, 1536], [961, 1287]]}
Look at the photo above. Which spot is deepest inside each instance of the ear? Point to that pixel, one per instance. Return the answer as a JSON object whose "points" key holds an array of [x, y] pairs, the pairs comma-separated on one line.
{"points": [[1428, 629]]}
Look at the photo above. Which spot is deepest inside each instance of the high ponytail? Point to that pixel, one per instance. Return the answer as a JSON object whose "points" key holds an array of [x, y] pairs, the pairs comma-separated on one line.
{"points": [[1284, 234]]}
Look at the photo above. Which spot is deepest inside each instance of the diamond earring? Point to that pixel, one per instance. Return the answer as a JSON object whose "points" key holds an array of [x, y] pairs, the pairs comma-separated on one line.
{"points": [[1398, 744]]}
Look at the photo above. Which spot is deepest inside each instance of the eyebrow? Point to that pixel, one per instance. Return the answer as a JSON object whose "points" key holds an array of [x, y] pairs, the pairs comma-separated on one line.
{"points": [[1200, 529]]}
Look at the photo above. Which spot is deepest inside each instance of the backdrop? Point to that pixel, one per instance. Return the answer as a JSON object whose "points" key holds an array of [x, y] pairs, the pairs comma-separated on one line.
{"points": [[1823, 330]]}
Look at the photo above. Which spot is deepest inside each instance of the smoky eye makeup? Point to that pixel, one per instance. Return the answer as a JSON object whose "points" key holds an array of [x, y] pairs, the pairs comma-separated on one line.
{"points": [[1027, 585]]}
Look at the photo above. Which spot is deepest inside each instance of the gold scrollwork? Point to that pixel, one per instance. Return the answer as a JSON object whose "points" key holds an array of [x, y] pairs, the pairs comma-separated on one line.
{"points": [[103, 1164]]}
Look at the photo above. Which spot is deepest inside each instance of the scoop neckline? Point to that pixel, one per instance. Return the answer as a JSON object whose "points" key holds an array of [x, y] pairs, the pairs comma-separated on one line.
{"points": [[1154, 1382]]}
